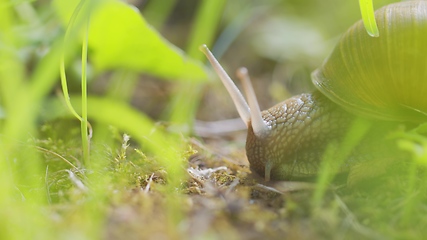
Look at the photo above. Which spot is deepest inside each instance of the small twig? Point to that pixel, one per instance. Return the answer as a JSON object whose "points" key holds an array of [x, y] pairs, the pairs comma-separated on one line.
{"points": [[77, 182], [232, 186], [354, 223], [150, 180], [283, 187], [270, 189], [23, 198], [206, 173], [49, 200], [56, 154]]}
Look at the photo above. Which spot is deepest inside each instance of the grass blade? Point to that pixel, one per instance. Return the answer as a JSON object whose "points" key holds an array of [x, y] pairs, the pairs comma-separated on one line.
{"points": [[367, 10]]}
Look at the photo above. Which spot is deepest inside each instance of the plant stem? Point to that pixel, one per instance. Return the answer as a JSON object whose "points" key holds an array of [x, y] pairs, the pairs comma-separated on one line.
{"points": [[186, 100], [84, 123]]}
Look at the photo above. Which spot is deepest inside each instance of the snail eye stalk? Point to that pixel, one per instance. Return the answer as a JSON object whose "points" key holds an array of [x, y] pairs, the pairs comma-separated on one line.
{"points": [[236, 95], [259, 127]]}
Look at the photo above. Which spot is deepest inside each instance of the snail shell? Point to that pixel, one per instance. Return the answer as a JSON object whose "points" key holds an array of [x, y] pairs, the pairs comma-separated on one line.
{"points": [[384, 77]]}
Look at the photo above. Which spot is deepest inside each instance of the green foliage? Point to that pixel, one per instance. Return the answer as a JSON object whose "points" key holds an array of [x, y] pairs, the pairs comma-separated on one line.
{"points": [[120, 38], [367, 10], [335, 155], [206, 20], [129, 120], [133, 46]]}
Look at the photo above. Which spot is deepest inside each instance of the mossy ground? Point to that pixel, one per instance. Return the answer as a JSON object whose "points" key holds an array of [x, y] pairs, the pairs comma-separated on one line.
{"points": [[219, 199]]}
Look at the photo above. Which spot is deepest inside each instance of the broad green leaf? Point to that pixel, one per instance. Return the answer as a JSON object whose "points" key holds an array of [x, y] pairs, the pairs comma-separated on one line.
{"points": [[119, 37]]}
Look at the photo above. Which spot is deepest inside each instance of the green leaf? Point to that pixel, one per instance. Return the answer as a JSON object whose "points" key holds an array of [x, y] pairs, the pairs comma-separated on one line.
{"points": [[119, 37], [368, 16]]}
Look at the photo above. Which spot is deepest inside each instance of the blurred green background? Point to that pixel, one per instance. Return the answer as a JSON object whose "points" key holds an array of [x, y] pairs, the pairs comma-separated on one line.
{"points": [[146, 78]]}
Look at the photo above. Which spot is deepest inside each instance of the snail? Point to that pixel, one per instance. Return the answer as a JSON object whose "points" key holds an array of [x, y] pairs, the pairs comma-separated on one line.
{"points": [[383, 80]]}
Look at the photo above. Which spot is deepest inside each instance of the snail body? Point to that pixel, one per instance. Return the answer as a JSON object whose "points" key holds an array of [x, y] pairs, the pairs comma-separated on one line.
{"points": [[381, 79]]}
